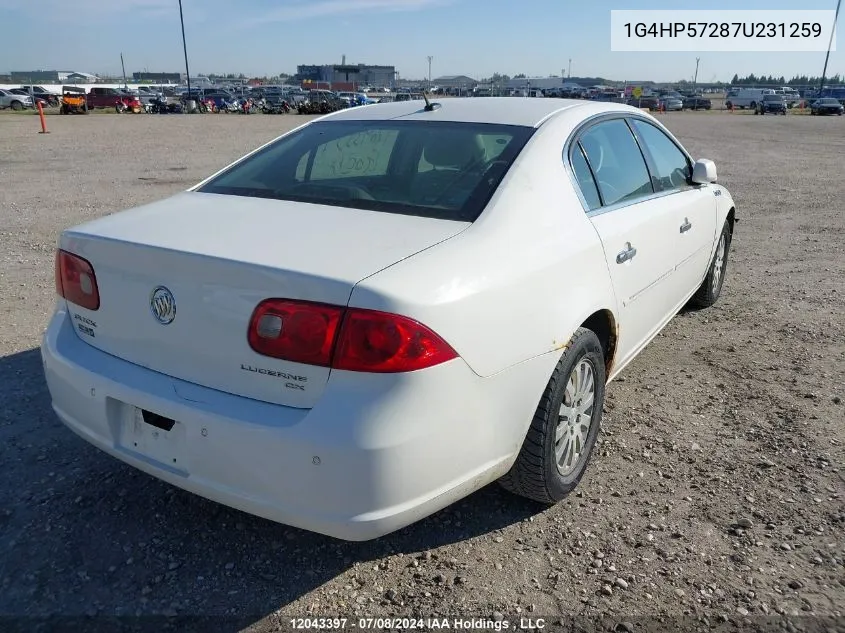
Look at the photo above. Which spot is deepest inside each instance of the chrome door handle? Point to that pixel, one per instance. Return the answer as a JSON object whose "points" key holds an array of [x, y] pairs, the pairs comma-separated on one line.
{"points": [[686, 226], [627, 254]]}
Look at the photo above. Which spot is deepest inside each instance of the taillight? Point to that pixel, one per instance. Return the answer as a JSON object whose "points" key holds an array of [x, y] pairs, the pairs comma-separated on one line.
{"points": [[294, 330], [352, 339], [386, 343], [75, 280]]}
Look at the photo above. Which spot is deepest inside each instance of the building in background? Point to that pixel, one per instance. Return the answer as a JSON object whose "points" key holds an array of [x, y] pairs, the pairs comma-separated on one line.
{"points": [[51, 76], [357, 75], [536, 83], [159, 78], [454, 81]]}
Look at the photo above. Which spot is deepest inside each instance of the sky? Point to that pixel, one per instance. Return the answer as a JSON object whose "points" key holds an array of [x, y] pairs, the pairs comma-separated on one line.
{"points": [[467, 37]]}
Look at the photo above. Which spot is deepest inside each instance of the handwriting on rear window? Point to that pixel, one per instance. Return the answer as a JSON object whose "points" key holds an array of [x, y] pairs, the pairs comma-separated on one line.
{"points": [[362, 154]]}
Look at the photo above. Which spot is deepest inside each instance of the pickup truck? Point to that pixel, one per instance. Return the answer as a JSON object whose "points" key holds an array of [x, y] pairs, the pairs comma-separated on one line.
{"points": [[112, 98], [790, 96]]}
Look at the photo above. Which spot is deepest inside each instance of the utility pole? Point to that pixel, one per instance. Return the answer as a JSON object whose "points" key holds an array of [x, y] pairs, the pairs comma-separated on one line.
{"points": [[829, 44], [185, 49], [695, 78], [569, 74], [429, 58], [124, 70]]}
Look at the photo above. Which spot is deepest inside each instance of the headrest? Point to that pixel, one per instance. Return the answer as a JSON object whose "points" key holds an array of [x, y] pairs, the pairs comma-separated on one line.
{"points": [[454, 149]]}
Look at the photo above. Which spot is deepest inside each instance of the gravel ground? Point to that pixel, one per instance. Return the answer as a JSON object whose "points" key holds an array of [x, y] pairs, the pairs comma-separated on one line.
{"points": [[716, 492]]}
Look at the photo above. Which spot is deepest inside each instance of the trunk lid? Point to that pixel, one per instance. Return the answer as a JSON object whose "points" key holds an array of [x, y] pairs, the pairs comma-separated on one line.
{"points": [[220, 256]]}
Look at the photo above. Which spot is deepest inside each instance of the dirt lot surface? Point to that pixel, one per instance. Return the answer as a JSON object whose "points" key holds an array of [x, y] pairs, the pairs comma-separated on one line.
{"points": [[716, 491]]}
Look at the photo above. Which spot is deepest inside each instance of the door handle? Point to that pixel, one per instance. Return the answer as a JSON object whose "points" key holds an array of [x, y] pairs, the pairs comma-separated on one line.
{"points": [[686, 226], [627, 254]]}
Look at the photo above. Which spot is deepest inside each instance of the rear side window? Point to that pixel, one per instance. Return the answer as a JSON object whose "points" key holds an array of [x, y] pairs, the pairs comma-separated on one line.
{"points": [[616, 162], [433, 169], [586, 182]]}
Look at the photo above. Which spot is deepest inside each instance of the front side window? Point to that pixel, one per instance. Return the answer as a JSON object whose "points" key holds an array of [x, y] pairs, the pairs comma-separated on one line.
{"points": [[429, 168], [670, 167], [616, 162]]}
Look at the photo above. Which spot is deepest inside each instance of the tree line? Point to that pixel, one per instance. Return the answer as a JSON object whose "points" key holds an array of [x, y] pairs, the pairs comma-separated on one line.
{"points": [[771, 80]]}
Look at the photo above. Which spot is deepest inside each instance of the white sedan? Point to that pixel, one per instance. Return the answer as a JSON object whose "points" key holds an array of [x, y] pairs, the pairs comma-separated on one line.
{"points": [[386, 308]]}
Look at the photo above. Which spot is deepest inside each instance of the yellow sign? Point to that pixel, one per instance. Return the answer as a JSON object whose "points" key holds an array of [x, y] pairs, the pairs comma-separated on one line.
{"points": [[637, 92]]}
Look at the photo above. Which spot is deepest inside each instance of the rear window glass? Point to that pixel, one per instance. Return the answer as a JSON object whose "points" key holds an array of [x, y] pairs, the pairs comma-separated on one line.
{"points": [[427, 168]]}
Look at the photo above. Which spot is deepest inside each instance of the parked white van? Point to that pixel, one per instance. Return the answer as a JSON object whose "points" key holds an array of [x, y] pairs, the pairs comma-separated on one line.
{"points": [[747, 97]]}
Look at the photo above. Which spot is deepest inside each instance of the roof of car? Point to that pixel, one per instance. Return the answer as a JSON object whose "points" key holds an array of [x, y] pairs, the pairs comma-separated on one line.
{"points": [[529, 112]]}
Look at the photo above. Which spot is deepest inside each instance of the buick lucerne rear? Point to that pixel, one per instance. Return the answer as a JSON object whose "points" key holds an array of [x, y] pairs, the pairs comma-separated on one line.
{"points": [[375, 314]]}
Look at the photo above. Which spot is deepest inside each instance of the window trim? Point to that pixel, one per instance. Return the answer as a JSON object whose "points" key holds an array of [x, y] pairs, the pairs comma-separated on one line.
{"points": [[580, 149], [574, 140], [650, 161]]}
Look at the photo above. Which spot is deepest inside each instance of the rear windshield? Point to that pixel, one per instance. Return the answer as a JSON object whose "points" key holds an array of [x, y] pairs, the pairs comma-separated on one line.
{"points": [[426, 168]]}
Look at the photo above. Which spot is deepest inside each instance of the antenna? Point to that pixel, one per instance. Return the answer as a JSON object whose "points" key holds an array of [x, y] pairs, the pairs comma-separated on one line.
{"points": [[429, 106]]}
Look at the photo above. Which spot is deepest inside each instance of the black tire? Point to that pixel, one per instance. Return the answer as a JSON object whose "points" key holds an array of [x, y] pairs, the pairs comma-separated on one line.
{"points": [[710, 289], [753, 104], [63, 109], [728, 105], [535, 473], [16, 106]]}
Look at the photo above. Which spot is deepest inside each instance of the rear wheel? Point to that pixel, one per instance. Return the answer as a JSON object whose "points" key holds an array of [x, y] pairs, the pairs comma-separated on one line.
{"points": [[560, 440], [16, 106], [710, 289]]}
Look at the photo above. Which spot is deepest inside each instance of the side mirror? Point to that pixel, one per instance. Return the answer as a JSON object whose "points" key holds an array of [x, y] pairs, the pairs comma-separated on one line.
{"points": [[704, 172]]}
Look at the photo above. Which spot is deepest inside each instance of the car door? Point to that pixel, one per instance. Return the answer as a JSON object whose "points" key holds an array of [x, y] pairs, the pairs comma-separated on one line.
{"points": [[636, 229], [694, 205]]}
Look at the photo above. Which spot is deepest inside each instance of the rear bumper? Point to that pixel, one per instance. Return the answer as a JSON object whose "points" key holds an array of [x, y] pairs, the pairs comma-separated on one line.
{"points": [[376, 454]]}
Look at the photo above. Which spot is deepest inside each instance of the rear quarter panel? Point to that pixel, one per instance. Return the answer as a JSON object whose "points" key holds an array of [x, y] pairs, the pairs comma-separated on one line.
{"points": [[519, 281]]}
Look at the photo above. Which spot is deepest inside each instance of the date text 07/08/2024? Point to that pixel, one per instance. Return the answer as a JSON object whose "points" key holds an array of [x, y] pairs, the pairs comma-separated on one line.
{"points": [[421, 624]]}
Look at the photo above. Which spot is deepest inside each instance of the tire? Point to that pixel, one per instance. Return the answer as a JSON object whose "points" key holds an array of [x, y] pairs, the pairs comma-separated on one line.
{"points": [[753, 104], [63, 109], [119, 108], [535, 474], [16, 106], [710, 289], [728, 105]]}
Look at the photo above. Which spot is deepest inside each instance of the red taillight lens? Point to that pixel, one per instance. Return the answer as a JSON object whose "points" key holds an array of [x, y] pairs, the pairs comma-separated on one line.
{"points": [[387, 343], [297, 331], [75, 280], [366, 340]]}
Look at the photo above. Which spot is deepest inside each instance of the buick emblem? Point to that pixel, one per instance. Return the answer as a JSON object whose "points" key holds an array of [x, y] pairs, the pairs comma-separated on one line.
{"points": [[163, 305]]}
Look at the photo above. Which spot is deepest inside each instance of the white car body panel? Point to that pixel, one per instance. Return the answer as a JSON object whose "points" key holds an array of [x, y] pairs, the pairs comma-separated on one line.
{"points": [[221, 257], [643, 284], [368, 459], [511, 263], [357, 455]]}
